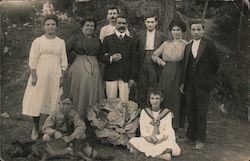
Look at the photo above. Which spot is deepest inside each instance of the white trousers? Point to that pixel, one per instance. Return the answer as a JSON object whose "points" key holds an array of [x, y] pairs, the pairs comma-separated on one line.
{"points": [[112, 88]]}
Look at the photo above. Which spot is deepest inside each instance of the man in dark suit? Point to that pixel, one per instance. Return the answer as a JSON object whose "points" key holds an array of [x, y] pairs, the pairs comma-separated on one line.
{"points": [[149, 72], [201, 62], [119, 55]]}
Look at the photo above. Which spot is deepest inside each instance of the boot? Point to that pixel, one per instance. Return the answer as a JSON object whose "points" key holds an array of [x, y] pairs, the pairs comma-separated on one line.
{"points": [[35, 129], [34, 133]]}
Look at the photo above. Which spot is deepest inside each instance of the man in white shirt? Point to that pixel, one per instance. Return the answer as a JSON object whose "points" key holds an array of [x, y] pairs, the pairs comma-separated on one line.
{"points": [[201, 62], [147, 41], [110, 28], [119, 55]]}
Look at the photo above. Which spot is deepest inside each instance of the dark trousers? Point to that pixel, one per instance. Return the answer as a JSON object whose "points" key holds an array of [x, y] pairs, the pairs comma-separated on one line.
{"points": [[197, 100], [147, 78]]}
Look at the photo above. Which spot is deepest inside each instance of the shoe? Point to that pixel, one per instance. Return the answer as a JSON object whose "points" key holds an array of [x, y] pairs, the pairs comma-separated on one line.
{"points": [[166, 156], [198, 146], [133, 150], [34, 133]]}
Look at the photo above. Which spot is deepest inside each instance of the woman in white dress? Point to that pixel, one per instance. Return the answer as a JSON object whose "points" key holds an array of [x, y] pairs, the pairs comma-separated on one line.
{"points": [[157, 135], [47, 62]]}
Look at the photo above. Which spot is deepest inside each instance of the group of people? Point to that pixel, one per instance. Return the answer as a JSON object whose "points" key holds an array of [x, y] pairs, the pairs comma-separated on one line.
{"points": [[166, 72]]}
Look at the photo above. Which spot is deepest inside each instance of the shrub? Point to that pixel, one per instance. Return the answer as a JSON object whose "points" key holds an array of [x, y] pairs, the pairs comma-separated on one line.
{"points": [[231, 83]]}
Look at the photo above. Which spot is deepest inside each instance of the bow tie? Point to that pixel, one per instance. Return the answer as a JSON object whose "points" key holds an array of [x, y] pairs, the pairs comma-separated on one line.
{"points": [[121, 37], [156, 124]]}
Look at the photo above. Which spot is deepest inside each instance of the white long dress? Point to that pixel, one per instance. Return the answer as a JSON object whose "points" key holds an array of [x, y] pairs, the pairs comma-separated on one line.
{"points": [[48, 57], [166, 133]]}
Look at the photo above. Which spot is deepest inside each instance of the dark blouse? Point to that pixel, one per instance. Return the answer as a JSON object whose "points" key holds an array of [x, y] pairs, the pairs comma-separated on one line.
{"points": [[81, 45]]}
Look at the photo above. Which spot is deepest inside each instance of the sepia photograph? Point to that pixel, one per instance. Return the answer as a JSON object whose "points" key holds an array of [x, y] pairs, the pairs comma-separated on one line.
{"points": [[125, 80]]}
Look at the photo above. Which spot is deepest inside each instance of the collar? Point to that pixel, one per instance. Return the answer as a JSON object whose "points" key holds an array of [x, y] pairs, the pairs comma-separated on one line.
{"points": [[118, 33], [151, 32], [162, 114], [197, 41]]}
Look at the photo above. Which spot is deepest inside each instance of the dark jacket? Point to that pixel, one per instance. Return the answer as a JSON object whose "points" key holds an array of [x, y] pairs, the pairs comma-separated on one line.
{"points": [[201, 69], [124, 69], [141, 41]]}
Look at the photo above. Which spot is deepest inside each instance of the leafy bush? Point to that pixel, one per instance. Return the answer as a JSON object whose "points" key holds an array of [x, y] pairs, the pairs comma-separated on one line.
{"points": [[231, 83]]}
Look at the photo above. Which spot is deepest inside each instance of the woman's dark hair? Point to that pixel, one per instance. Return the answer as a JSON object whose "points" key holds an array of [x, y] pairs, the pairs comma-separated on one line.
{"points": [[155, 91], [88, 19], [50, 17], [178, 23]]}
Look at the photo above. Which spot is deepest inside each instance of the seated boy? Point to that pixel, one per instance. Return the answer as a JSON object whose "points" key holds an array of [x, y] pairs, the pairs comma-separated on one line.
{"points": [[64, 123]]}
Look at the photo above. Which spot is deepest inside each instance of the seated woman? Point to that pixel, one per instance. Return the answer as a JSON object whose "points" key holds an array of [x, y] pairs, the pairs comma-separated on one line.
{"points": [[157, 134]]}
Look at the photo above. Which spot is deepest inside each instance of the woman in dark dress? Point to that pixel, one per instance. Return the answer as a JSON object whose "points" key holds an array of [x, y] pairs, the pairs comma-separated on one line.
{"points": [[172, 53], [84, 77]]}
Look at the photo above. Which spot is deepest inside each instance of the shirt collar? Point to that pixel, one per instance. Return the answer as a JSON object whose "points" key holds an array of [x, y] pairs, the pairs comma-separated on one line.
{"points": [[118, 34], [151, 32], [197, 41]]}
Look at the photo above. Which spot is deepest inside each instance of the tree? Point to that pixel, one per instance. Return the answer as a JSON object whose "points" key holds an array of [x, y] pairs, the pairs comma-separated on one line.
{"points": [[168, 10], [204, 10]]}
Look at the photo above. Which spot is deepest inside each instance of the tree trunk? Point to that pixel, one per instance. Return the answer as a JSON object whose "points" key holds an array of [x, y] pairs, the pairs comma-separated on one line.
{"points": [[168, 10], [122, 7], [239, 29], [204, 10]]}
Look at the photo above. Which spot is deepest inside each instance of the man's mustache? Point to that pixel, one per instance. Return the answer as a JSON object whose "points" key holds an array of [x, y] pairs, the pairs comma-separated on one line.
{"points": [[122, 27], [112, 18]]}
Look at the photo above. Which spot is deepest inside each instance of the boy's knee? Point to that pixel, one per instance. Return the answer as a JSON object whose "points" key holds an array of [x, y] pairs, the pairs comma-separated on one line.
{"points": [[82, 137], [46, 138]]}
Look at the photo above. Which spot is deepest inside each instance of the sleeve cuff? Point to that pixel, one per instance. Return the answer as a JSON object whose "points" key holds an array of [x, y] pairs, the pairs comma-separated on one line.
{"points": [[110, 59], [50, 132]]}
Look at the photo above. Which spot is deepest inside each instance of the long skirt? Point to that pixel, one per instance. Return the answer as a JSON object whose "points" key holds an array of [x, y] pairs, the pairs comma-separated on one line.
{"points": [[170, 83], [85, 83], [44, 96]]}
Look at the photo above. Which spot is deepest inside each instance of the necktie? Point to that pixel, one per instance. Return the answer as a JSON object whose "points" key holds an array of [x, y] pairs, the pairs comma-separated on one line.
{"points": [[121, 37], [156, 124]]}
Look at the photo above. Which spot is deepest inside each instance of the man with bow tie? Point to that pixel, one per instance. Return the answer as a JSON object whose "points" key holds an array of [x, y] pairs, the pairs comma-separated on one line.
{"points": [[201, 62], [119, 55]]}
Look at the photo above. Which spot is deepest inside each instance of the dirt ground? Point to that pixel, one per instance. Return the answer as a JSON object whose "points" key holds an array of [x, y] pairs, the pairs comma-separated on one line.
{"points": [[228, 138]]}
